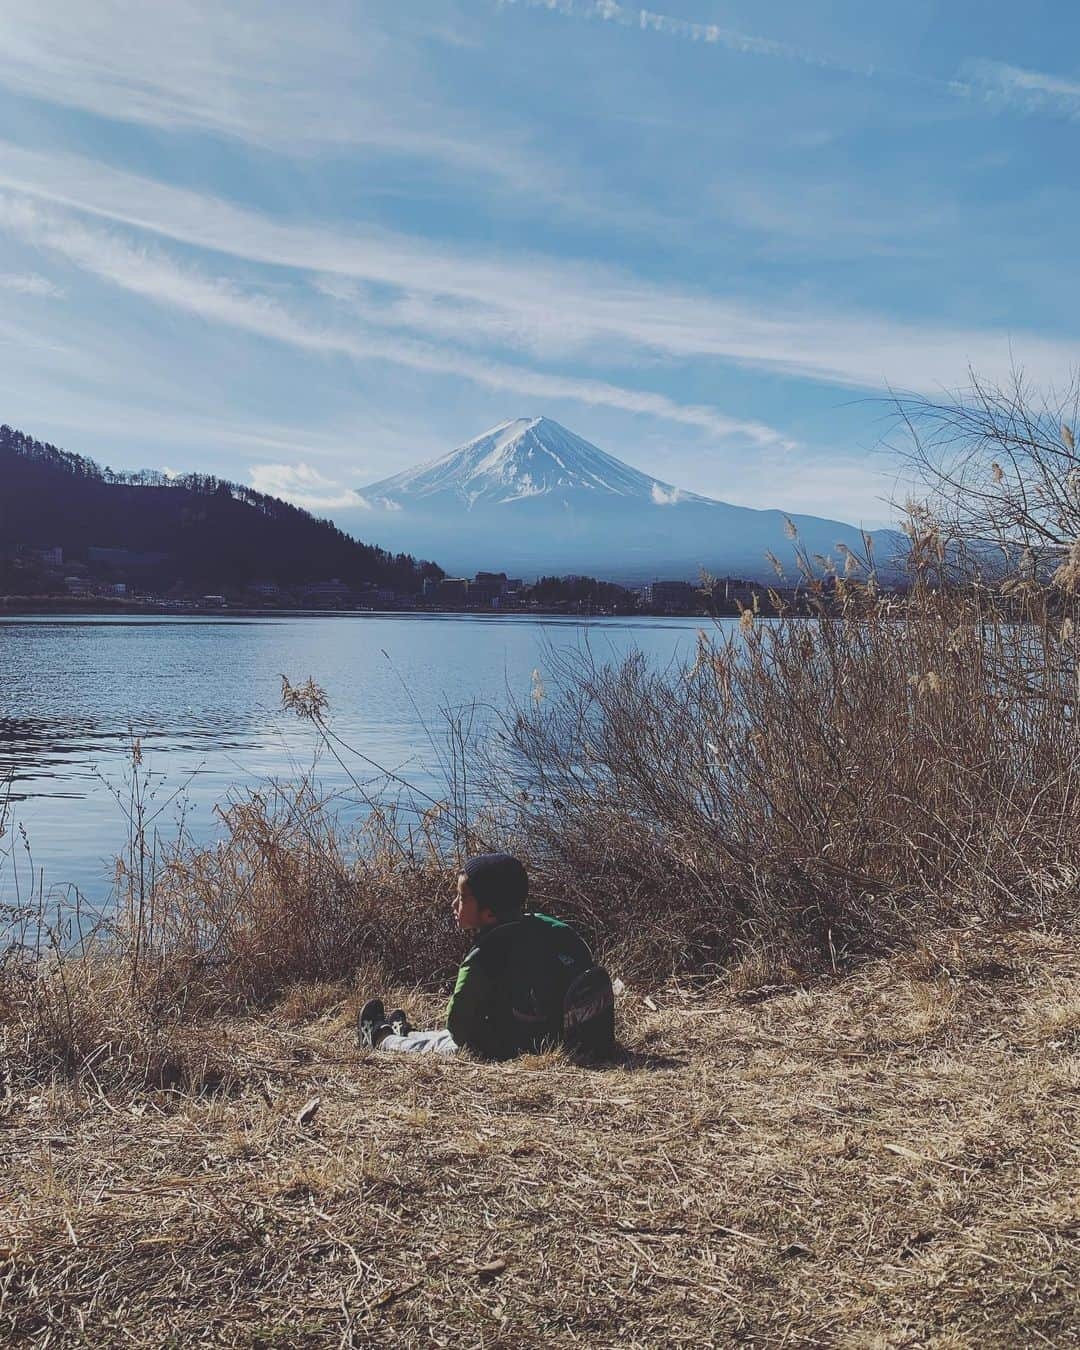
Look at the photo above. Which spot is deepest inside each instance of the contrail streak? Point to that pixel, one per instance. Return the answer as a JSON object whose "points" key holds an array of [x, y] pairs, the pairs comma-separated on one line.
{"points": [[608, 11], [993, 83]]}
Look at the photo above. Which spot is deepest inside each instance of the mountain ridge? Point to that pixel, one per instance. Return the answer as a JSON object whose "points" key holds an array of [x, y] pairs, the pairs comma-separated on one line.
{"points": [[529, 496], [196, 530]]}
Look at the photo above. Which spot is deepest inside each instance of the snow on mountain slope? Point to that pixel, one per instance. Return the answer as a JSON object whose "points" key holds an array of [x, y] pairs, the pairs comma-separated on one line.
{"points": [[530, 497], [526, 457]]}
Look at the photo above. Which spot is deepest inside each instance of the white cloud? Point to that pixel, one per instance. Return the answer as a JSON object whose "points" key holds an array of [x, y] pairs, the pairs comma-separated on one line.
{"points": [[151, 273], [337, 288], [272, 75], [666, 496], [1032, 90], [996, 81], [303, 486], [30, 283], [731, 39], [858, 489], [109, 59], [538, 304]]}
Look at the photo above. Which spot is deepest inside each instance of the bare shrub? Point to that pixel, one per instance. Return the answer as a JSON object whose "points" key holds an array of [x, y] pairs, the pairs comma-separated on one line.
{"points": [[283, 901], [808, 790], [285, 897], [1000, 473]]}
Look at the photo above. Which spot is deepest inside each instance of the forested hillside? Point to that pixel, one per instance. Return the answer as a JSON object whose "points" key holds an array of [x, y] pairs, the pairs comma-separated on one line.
{"points": [[195, 530]]}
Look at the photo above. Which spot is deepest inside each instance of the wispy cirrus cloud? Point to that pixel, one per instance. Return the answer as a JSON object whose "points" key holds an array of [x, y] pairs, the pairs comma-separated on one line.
{"points": [[154, 275], [996, 82], [31, 283], [534, 304], [265, 75], [1030, 90], [711, 34]]}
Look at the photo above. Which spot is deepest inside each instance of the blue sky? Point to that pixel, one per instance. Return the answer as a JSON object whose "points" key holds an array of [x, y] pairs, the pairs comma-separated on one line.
{"points": [[307, 246]]}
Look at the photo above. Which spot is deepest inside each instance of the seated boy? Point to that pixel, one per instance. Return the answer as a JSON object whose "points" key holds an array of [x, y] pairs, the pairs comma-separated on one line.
{"points": [[508, 998]]}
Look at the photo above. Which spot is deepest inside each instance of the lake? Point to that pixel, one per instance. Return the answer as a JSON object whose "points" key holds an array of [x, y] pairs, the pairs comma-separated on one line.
{"points": [[203, 694]]}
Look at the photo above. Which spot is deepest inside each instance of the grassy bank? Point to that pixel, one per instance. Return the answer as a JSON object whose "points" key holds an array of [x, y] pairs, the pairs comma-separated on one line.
{"points": [[888, 1160]]}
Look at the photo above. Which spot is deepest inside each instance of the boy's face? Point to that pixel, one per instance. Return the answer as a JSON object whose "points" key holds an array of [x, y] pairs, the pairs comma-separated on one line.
{"points": [[468, 911]]}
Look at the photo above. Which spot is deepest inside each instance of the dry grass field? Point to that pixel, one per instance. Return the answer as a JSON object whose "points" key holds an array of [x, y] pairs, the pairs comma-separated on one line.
{"points": [[888, 1159]]}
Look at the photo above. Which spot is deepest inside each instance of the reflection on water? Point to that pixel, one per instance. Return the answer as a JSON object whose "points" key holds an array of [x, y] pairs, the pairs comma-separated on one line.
{"points": [[34, 750], [203, 696], [30, 747]]}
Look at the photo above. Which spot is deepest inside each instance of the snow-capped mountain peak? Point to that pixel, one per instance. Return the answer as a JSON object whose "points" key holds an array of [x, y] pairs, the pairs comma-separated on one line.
{"points": [[525, 457], [530, 497]]}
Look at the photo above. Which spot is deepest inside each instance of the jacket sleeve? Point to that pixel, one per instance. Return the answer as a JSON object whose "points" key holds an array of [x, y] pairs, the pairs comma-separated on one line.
{"points": [[468, 1013]]}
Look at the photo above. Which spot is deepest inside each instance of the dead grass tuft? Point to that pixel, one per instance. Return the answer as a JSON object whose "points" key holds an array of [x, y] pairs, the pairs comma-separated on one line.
{"points": [[1054, 1014]]}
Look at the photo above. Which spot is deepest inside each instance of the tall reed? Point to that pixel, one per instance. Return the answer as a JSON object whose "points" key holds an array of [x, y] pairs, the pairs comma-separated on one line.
{"points": [[811, 789]]}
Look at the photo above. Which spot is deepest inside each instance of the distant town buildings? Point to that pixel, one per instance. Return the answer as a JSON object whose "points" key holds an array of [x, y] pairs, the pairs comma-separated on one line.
{"points": [[452, 591], [735, 590], [487, 588], [128, 558], [332, 592], [671, 597], [121, 574], [48, 557]]}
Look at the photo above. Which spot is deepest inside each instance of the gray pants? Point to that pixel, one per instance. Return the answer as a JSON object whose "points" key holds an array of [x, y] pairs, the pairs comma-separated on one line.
{"points": [[421, 1043]]}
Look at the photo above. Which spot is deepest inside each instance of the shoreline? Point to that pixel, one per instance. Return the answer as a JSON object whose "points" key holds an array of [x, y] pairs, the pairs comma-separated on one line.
{"points": [[35, 607]]}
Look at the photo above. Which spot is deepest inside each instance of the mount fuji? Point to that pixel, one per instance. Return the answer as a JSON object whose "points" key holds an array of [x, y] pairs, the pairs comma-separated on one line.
{"points": [[531, 497]]}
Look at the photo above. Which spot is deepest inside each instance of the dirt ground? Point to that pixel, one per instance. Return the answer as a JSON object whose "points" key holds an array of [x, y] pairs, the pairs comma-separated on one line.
{"points": [[887, 1159]]}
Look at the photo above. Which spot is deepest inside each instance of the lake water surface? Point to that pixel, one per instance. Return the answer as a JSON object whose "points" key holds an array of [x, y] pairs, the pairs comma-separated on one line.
{"points": [[203, 694]]}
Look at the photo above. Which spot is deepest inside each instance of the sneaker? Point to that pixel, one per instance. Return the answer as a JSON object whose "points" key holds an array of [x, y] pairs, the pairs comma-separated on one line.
{"points": [[399, 1022], [372, 1017]]}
